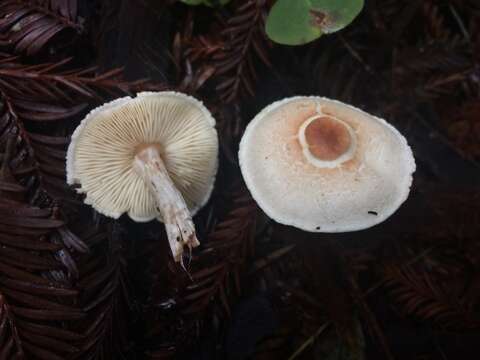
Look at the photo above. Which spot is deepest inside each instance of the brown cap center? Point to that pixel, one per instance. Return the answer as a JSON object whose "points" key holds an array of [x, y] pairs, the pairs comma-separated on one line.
{"points": [[327, 138]]}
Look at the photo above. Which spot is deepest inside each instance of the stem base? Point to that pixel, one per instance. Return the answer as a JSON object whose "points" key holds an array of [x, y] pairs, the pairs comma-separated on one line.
{"points": [[170, 202]]}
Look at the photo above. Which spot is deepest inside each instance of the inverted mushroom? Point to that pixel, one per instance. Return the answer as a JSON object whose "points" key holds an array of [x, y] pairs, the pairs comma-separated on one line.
{"points": [[325, 166], [152, 156]]}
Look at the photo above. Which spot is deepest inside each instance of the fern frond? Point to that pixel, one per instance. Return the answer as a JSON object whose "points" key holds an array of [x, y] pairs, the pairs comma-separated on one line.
{"points": [[27, 26], [425, 295], [104, 297]]}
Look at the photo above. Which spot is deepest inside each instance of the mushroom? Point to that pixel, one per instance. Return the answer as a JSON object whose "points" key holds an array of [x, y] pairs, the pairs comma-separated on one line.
{"points": [[325, 166], [152, 156]]}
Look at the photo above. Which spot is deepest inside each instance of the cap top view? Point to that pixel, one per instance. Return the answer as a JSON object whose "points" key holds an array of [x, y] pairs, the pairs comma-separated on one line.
{"points": [[325, 166]]}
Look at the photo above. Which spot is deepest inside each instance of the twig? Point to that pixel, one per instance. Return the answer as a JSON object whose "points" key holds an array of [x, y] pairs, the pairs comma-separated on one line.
{"points": [[367, 312], [309, 341], [460, 23], [439, 348], [267, 260], [355, 54]]}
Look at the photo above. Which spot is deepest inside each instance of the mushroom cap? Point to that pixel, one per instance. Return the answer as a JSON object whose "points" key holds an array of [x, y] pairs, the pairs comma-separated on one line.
{"points": [[358, 180], [101, 153]]}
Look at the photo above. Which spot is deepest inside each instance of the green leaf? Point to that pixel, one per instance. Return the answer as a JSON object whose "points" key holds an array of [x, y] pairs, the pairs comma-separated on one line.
{"points": [[301, 21]]}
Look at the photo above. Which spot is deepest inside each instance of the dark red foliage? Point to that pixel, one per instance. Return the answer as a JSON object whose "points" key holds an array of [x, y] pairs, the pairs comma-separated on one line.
{"points": [[230, 54], [75, 285], [27, 26]]}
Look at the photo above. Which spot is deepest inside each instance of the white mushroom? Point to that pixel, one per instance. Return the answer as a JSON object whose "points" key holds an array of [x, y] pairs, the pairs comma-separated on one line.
{"points": [[325, 166], [152, 156]]}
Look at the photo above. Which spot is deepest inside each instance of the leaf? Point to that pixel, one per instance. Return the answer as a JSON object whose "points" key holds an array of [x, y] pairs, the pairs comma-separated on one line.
{"points": [[302, 21], [34, 266], [42, 87], [418, 294], [229, 57], [214, 280], [29, 25], [104, 296], [10, 343]]}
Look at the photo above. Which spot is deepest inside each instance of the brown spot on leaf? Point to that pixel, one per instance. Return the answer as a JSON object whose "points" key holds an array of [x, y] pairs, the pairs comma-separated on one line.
{"points": [[318, 18]]}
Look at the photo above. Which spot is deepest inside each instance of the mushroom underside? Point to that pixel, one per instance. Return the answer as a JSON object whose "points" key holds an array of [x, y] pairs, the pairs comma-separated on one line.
{"points": [[152, 156]]}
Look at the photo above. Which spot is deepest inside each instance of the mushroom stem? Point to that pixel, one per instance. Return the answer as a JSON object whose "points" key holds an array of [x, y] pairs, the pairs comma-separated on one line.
{"points": [[176, 216]]}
